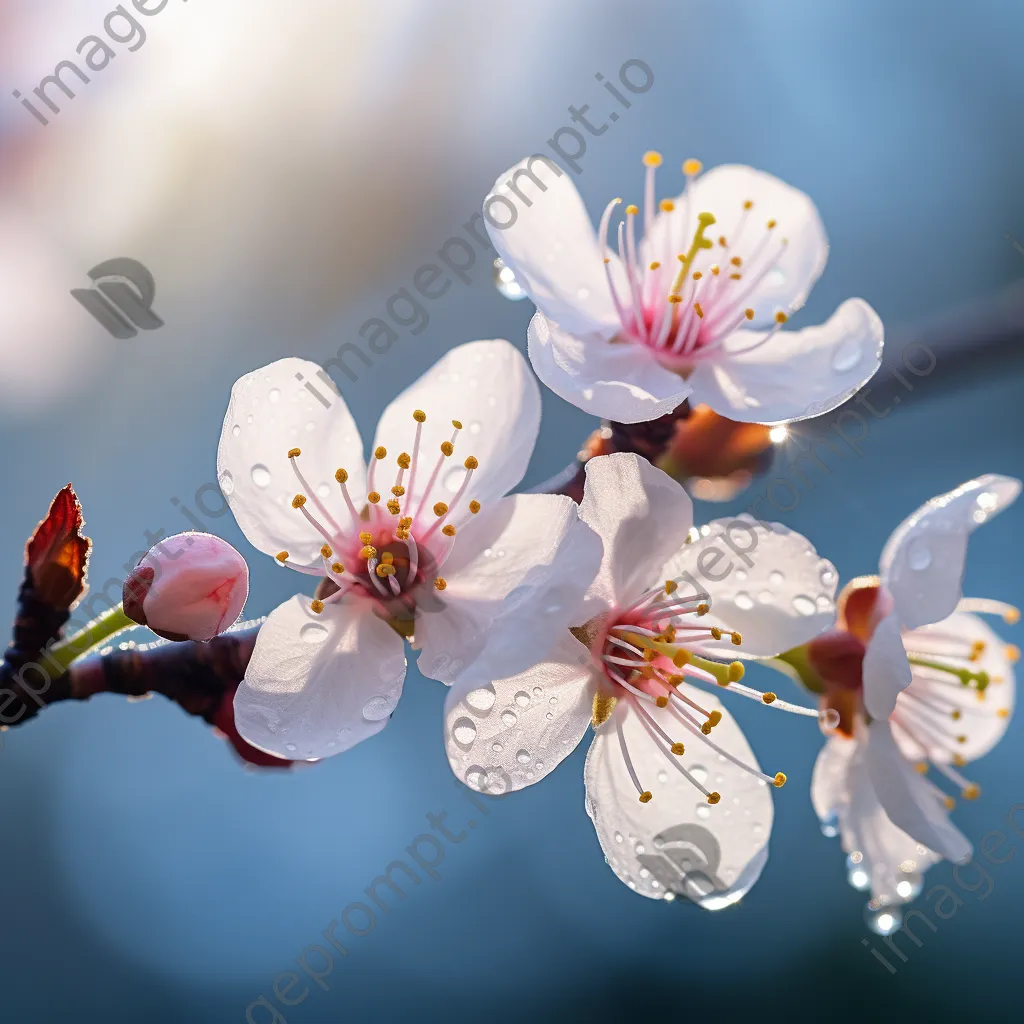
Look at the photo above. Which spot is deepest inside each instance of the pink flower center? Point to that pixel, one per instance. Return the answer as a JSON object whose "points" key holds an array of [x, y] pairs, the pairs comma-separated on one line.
{"points": [[666, 303]]}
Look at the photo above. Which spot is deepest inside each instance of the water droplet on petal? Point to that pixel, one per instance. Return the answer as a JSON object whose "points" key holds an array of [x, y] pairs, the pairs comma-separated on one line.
{"points": [[775, 578], [475, 427], [743, 600], [275, 395], [227, 483], [463, 732], [828, 720], [509, 718], [538, 690], [699, 772], [803, 605], [883, 920], [830, 827], [290, 747], [376, 709], [909, 885], [919, 557], [324, 491], [260, 475], [236, 430], [827, 575], [522, 698], [703, 811], [497, 747], [847, 355], [313, 633], [481, 699], [523, 757], [856, 874], [506, 283], [766, 597]]}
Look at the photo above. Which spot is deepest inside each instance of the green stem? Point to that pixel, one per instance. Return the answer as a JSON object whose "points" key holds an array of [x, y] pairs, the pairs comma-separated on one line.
{"points": [[95, 632]]}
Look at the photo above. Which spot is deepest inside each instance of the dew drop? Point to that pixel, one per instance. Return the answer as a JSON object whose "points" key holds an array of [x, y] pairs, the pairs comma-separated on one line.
{"points": [[537, 691], [481, 699], [274, 395], [475, 427], [828, 720], [522, 698], [827, 575], [824, 604], [313, 633], [523, 756], [260, 475], [699, 772], [588, 393], [324, 491], [882, 920], [552, 700], [804, 605], [775, 578], [743, 600], [766, 597], [663, 777], [919, 557], [830, 827], [847, 356], [509, 718], [463, 732], [495, 783], [703, 811], [236, 430], [290, 747], [376, 709], [310, 426], [249, 418], [505, 281], [549, 716], [453, 479], [909, 886], [227, 483], [497, 747], [618, 837]]}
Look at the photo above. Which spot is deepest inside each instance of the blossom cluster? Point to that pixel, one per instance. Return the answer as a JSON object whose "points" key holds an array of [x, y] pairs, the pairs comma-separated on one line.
{"points": [[549, 619]]}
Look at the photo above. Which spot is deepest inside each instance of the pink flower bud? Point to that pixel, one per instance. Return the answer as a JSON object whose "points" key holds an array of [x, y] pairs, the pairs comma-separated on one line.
{"points": [[189, 587]]}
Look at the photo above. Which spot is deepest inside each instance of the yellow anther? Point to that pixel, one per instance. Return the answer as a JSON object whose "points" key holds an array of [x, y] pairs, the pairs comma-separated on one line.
{"points": [[632, 210], [440, 508], [691, 167], [405, 522], [971, 792], [671, 586], [736, 261], [748, 204], [961, 739], [737, 639], [373, 497], [404, 460], [448, 530], [662, 702], [365, 538], [697, 275], [1012, 652], [654, 265], [326, 551], [652, 158], [678, 749], [681, 658], [780, 317], [769, 697], [607, 259], [368, 552], [716, 633], [447, 448], [722, 242], [955, 715], [736, 277], [385, 569], [649, 654], [959, 760], [780, 780], [949, 803], [698, 310], [394, 507], [703, 608], [380, 453], [714, 718], [341, 475], [282, 556], [471, 462], [675, 680], [401, 534], [337, 568], [316, 606], [977, 650], [771, 224], [294, 453], [713, 798], [667, 206], [604, 704], [298, 501], [921, 767], [645, 797], [670, 634], [1003, 712], [1011, 616], [419, 416], [387, 557], [440, 583], [675, 299], [457, 424], [705, 727], [715, 269], [749, 314], [398, 490], [736, 671]]}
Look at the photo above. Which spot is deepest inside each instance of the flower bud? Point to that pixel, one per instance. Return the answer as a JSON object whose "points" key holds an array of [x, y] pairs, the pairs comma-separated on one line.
{"points": [[189, 587]]}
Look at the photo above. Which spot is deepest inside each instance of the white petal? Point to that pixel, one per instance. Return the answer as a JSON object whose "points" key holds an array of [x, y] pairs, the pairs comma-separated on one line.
{"points": [[723, 191], [616, 380], [517, 580], [795, 374], [923, 560], [910, 803], [317, 685], [552, 248], [510, 734], [886, 671], [829, 781], [271, 412], [982, 721], [766, 582], [485, 385], [678, 842], [884, 852], [641, 515]]}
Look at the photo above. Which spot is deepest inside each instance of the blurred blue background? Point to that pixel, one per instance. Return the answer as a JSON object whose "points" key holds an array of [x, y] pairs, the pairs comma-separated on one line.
{"points": [[282, 170]]}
